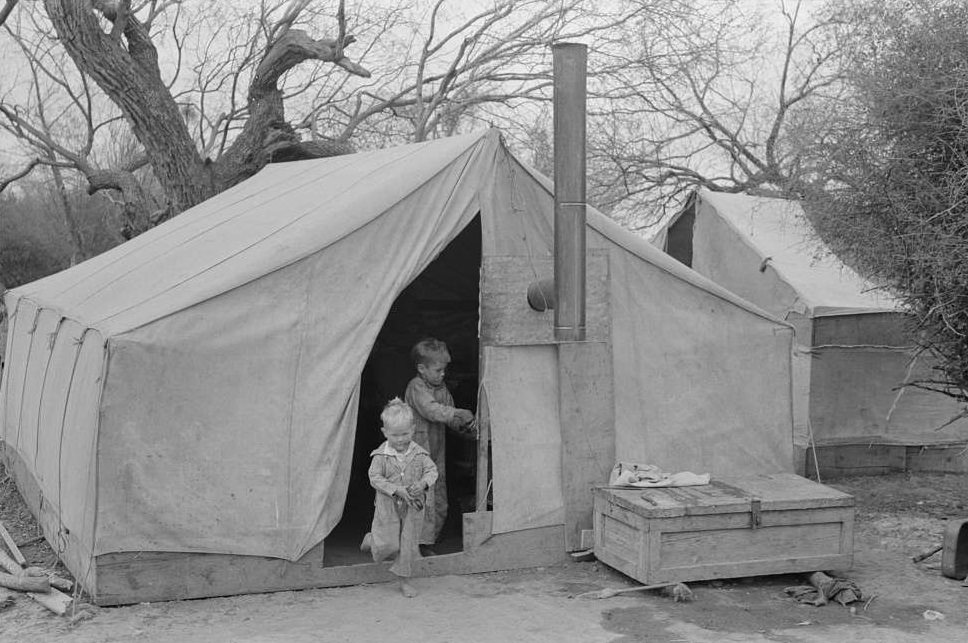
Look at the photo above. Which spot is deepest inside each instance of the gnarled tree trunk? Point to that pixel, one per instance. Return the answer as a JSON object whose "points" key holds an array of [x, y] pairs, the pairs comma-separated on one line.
{"points": [[124, 64], [131, 78]]}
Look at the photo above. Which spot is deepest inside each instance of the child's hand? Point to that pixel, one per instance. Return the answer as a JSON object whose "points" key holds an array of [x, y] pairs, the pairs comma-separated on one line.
{"points": [[403, 493], [464, 417], [414, 495]]}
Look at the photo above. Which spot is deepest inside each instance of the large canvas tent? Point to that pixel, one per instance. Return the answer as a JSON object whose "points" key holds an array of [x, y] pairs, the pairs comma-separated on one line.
{"points": [[182, 412], [855, 348]]}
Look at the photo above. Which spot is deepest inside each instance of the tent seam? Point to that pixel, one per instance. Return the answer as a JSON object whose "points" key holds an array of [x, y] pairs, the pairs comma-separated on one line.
{"points": [[60, 441], [97, 440], [59, 310], [67, 398], [51, 343], [291, 410], [23, 385], [11, 337]]}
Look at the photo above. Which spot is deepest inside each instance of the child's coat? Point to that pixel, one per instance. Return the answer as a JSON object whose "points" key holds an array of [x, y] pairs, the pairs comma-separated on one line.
{"points": [[433, 410], [396, 526]]}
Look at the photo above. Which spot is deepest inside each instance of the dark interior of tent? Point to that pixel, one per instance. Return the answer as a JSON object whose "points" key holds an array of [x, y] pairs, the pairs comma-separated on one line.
{"points": [[442, 302], [679, 235]]}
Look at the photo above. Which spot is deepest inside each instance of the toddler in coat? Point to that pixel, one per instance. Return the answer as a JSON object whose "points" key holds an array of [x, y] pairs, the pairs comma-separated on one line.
{"points": [[403, 475]]}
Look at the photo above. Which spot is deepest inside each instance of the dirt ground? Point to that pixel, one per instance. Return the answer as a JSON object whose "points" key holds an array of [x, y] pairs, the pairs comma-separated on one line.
{"points": [[897, 516]]}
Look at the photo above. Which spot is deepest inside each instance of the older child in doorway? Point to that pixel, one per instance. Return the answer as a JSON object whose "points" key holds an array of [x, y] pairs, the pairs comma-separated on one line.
{"points": [[403, 476], [434, 411]]}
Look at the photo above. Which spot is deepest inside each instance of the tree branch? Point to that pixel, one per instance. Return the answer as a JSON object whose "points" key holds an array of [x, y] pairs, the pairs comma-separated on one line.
{"points": [[41, 139], [122, 12], [134, 206], [16, 176], [294, 47], [289, 150], [6, 10]]}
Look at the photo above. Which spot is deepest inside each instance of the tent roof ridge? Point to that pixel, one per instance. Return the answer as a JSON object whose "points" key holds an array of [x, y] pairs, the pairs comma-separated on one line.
{"points": [[170, 230], [746, 241], [849, 283], [470, 149]]}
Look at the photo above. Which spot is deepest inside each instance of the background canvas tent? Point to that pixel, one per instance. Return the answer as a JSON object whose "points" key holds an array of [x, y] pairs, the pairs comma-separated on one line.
{"points": [[180, 412], [855, 348]]}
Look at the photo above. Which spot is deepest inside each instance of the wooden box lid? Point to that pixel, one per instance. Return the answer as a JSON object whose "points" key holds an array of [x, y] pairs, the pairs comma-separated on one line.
{"points": [[727, 494]]}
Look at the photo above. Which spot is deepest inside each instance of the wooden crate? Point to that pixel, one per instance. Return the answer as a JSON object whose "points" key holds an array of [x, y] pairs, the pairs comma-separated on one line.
{"points": [[732, 527]]}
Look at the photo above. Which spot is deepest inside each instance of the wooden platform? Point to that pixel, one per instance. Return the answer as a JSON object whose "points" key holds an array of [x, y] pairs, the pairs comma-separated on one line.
{"points": [[741, 526], [138, 577], [160, 576]]}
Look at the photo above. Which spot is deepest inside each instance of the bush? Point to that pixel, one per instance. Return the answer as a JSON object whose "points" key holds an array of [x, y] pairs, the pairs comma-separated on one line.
{"points": [[899, 208], [25, 260]]}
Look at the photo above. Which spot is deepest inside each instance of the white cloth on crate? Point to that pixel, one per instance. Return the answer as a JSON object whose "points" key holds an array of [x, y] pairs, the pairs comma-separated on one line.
{"points": [[628, 474]]}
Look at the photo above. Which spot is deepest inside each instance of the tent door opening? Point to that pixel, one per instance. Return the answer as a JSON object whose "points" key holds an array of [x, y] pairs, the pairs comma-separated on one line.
{"points": [[442, 302]]}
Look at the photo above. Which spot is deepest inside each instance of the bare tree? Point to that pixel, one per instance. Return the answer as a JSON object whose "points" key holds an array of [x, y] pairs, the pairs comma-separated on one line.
{"points": [[212, 93], [461, 69], [38, 129], [124, 62], [217, 103], [111, 43], [697, 104], [63, 122]]}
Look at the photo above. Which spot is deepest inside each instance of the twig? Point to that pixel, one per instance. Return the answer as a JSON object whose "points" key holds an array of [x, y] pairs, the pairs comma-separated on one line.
{"points": [[681, 591], [30, 541], [12, 546], [4, 182], [869, 601], [927, 554]]}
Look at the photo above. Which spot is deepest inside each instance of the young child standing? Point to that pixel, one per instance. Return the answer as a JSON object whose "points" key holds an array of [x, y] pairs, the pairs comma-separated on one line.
{"points": [[434, 410], [403, 476]]}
